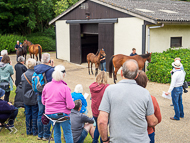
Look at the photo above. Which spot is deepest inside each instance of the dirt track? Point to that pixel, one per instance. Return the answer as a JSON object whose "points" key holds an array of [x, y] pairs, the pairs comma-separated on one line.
{"points": [[166, 132]]}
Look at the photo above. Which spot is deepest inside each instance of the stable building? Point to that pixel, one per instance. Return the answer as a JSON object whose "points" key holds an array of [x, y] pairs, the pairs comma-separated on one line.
{"points": [[120, 25]]}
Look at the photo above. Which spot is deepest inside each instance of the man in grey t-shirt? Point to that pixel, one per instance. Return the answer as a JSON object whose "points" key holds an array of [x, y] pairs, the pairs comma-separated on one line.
{"points": [[129, 109]]}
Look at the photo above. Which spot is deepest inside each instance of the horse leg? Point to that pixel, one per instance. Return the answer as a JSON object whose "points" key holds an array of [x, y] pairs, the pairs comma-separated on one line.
{"points": [[36, 57], [96, 66], [30, 55], [115, 75], [33, 56], [91, 68], [88, 68]]}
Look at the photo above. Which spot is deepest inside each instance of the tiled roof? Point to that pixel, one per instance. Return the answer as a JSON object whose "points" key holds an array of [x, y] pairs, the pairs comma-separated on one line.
{"points": [[159, 10]]}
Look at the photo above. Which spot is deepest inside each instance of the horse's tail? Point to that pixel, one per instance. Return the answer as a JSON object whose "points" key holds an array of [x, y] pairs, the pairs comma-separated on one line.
{"points": [[40, 53], [111, 66]]}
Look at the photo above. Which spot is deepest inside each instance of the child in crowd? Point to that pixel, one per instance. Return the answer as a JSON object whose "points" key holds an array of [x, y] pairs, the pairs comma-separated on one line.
{"points": [[77, 94]]}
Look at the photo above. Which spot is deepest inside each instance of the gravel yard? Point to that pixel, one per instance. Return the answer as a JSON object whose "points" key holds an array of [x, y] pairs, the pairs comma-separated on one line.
{"points": [[166, 132]]}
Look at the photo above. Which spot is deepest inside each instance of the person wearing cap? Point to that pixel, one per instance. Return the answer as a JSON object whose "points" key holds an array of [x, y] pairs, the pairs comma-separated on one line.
{"points": [[11, 111], [16, 48], [103, 62], [176, 88], [134, 52]]}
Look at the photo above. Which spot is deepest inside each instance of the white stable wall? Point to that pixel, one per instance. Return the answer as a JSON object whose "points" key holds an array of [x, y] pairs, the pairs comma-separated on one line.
{"points": [[160, 38], [63, 40], [128, 35]]}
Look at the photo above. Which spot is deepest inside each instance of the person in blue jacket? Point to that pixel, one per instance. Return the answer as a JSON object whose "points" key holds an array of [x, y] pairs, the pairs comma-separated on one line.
{"points": [[77, 94], [7, 110], [47, 67]]}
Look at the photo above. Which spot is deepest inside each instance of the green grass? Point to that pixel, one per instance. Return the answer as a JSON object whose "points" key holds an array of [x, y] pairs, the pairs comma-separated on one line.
{"points": [[20, 136]]}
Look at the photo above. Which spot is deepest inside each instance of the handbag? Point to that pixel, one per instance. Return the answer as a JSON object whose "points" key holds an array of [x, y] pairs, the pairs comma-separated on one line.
{"points": [[5, 85], [30, 97], [185, 84]]}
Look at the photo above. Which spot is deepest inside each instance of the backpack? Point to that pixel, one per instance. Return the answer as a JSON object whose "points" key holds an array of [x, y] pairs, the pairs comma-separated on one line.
{"points": [[38, 82]]}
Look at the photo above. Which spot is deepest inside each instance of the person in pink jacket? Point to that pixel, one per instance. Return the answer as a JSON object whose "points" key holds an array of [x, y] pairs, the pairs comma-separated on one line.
{"points": [[56, 97], [97, 90]]}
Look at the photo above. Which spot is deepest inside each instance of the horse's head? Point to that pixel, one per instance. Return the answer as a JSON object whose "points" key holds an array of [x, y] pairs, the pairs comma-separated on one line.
{"points": [[149, 58], [102, 52], [25, 43]]}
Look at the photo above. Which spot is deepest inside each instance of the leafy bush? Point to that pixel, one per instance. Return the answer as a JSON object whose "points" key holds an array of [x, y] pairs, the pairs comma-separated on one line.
{"points": [[160, 66], [47, 43], [8, 42], [50, 32]]}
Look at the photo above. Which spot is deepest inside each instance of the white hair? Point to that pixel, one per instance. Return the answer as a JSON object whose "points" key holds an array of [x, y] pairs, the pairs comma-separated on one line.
{"points": [[78, 88], [59, 73], [30, 63], [21, 59], [4, 52], [45, 58]]}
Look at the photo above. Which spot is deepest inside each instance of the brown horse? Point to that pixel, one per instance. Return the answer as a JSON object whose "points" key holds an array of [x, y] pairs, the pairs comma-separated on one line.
{"points": [[91, 58], [22, 52], [33, 49], [118, 60]]}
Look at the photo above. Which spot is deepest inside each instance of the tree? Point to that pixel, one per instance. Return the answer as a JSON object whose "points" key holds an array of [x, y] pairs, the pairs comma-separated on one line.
{"points": [[25, 16], [62, 5]]}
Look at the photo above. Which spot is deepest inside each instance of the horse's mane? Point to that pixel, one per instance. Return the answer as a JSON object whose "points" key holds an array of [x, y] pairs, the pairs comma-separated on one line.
{"points": [[30, 42], [97, 52], [145, 55]]}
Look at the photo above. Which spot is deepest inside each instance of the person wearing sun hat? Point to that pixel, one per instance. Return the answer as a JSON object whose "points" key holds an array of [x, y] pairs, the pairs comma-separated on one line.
{"points": [[177, 81], [11, 111]]}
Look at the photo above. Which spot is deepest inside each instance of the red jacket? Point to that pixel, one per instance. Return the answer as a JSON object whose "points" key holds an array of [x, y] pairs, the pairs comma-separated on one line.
{"points": [[97, 91], [157, 113]]}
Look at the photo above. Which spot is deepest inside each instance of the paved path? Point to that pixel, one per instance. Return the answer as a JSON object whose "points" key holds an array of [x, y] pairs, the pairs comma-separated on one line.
{"points": [[167, 131]]}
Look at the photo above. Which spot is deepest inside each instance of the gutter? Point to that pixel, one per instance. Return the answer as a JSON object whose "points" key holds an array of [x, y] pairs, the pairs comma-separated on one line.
{"points": [[152, 27]]}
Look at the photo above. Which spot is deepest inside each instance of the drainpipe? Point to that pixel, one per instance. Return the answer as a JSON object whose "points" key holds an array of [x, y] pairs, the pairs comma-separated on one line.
{"points": [[149, 34]]}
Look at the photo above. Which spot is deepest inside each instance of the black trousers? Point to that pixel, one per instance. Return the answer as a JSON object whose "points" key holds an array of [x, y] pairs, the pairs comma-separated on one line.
{"points": [[6, 98]]}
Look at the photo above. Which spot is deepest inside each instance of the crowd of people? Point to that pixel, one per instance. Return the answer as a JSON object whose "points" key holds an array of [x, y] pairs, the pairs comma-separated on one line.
{"points": [[127, 107]]}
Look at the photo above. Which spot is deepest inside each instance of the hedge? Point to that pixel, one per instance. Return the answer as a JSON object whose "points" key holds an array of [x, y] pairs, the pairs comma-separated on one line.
{"points": [[160, 66], [47, 43], [8, 42]]}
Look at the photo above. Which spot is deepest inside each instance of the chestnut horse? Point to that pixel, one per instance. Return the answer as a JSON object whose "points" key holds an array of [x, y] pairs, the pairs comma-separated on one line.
{"points": [[118, 60], [33, 49], [91, 58]]}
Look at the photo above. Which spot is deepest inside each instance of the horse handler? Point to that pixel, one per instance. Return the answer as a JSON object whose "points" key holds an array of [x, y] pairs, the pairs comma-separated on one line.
{"points": [[16, 48], [177, 81], [103, 62]]}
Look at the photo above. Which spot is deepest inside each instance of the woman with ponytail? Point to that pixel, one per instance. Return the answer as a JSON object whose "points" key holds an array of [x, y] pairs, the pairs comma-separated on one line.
{"points": [[56, 97]]}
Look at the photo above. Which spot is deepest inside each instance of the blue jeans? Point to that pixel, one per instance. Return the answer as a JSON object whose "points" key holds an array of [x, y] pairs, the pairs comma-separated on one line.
{"points": [[12, 117], [31, 113], [66, 126], [177, 101], [103, 66], [96, 132], [151, 136], [43, 130], [83, 136]]}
